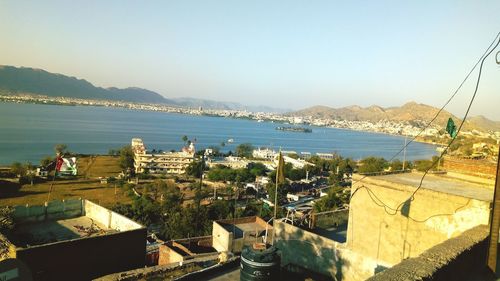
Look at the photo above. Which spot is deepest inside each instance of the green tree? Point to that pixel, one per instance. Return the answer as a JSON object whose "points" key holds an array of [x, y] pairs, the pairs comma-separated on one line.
{"points": [[396, 165], [244, 150], [372, 165], [219, 209], [196, 168], [424, 165], [46, 161], [335, 199], [30, 172], [18, 169], [61, 148], [257, 169], [126, 158], [283, 189], [185, 138]]}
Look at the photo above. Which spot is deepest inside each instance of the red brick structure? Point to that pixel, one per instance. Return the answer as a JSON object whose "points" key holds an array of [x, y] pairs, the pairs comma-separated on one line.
{"points": [[474, 167]]}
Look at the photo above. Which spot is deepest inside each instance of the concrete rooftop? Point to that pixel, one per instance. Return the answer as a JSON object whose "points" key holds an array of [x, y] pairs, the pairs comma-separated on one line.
{"points": [[38, 233], [239, 228], [437, 183]]}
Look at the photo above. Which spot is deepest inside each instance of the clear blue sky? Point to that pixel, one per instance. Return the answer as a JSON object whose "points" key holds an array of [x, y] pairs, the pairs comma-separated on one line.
{"points": [[290, 54]]}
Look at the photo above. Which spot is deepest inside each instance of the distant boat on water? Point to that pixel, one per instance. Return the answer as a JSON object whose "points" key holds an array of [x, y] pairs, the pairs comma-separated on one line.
{"points": [[295, 129], [230, 140]]}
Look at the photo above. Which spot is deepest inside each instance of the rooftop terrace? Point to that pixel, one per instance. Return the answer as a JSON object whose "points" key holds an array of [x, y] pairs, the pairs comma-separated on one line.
{"points": [[58, 230], [436, 183], [58, 221], [241, 225]]}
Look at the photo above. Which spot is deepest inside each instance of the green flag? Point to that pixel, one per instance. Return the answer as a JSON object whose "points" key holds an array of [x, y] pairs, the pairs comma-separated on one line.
{"points": [[451, 128]]}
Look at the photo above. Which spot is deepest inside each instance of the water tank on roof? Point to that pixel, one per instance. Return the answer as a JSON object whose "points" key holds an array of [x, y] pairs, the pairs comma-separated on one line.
{"points": [[259, 263]]}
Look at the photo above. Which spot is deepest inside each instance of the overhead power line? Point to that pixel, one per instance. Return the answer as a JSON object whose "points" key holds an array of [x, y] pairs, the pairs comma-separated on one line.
{"points": [[483, 56]]}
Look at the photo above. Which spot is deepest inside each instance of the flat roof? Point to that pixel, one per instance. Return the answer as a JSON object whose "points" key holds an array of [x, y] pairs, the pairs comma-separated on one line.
{"points": [[45, 232], [439, 184], [245, 224], [239, 228]]}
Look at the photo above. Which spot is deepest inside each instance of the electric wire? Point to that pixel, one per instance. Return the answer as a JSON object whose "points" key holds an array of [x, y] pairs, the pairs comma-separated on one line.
{"points": [[461, 124], [486, 53]]}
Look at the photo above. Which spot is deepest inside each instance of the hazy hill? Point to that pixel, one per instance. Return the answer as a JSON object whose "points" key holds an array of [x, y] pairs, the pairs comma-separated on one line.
{"points": [[483, 123], [410, 111], [25, 80], [211, 104], [36, 81]]}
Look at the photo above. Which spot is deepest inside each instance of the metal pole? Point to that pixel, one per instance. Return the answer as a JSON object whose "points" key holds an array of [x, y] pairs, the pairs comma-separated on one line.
{"points": [[404, 153], [276, 187], [495, 222]]}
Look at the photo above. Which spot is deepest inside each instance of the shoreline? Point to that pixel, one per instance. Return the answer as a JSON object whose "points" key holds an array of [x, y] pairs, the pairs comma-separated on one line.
{"points": [[186, 111]]}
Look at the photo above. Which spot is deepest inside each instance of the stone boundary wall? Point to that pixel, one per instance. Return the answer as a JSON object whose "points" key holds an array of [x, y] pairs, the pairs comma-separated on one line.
{"points": [[478, 168], [454, 259]]}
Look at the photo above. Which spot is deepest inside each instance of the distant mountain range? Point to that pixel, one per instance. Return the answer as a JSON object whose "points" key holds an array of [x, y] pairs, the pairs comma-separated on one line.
{"points": [[25, 80], [409, 112]]}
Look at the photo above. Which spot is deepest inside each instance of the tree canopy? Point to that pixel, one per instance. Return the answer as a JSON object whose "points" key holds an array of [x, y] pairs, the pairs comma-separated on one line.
{"points": [[244, 150]]}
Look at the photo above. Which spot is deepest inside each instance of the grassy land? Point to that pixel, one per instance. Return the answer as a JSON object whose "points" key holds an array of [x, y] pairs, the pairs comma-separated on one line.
{"points": [[86, 185]]}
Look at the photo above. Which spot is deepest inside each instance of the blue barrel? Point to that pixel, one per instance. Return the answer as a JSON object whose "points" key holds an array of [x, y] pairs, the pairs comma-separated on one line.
{"points": [[259, 264]]}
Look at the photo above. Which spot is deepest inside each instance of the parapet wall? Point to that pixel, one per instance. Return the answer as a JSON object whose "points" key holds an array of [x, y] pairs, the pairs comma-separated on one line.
{"points": [[455, 259], [108, 218], [81, 258], [53, 210], [303, 249], [379, 231]]}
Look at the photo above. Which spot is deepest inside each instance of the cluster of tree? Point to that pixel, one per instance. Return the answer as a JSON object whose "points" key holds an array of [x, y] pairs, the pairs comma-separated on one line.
{"points": [[244, 150], [294, 174], [336, 197], [227, 174], [196, 168], [379, 164], [335, 168], [161, 205], [424, 165], [25, 172]]}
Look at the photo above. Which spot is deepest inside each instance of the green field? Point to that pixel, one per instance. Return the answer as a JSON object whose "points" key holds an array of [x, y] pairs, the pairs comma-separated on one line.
{"points": [[86, 185]]}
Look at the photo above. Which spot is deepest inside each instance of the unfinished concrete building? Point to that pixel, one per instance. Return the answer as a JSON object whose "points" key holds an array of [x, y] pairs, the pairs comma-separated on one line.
{"points": [[74, 240], [231, 235], [182, 250], [387, 226]]}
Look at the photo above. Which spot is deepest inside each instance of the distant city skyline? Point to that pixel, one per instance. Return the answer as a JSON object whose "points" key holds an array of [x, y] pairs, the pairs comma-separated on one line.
{"points": [[283, 54]]}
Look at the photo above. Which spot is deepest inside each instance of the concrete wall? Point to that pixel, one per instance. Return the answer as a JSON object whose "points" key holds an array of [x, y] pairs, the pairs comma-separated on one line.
{"points": [[224, 241], [108, 218], [50, 210], [460, 258], [168, 255], [221, 238], [86, 258], [303, 249], [389, 238]]}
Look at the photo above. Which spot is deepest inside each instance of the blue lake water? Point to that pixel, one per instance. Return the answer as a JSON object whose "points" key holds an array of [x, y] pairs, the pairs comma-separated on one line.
{"points": [[28, 132]]}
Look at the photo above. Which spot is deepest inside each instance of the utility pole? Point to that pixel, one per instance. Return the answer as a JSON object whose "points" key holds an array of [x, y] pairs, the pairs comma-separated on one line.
{"points": [[404, 154], [495, 222]]}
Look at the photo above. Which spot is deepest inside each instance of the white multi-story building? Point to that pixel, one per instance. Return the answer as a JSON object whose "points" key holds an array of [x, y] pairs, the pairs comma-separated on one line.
{"points": [[264, 153], [164, 162]]}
